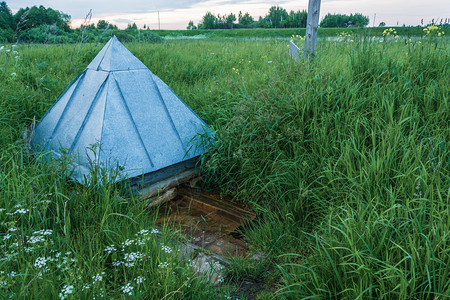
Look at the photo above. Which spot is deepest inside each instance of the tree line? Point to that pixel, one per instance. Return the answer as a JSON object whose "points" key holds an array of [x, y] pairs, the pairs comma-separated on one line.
{"points": [[38, 24], [277, 17]]}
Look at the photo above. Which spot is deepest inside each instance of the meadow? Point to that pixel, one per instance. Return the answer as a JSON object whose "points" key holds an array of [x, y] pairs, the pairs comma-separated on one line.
{"points": [[345, 159]]}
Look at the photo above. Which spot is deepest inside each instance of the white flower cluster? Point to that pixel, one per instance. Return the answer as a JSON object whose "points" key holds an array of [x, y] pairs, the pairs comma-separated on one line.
{"points": [[139, 279], [132, 258], [36, 239], [163, 265], [143, 232], [22, 210], [127, 243], [44, 232], [166, 249], [66, 291], [98, 277], [127, 289], [110, 249], [40, 262]]}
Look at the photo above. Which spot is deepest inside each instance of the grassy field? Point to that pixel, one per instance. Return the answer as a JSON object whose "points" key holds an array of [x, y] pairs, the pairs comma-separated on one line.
{"points": [[286, 32], [345, 159]]}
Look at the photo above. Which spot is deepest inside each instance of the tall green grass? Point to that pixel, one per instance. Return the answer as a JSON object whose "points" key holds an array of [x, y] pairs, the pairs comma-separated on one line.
{"points": [[345, 159]]}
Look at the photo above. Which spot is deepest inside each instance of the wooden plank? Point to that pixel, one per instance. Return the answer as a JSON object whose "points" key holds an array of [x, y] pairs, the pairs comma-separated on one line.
{"points": [[165, 184], [224, 208]]}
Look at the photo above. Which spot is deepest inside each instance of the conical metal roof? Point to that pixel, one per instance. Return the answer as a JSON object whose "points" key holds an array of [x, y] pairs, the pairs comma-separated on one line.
{"points": [[117, 103]]}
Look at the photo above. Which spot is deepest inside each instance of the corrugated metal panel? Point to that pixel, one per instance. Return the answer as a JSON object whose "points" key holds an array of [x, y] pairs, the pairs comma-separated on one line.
{"points": [[135, 118]]}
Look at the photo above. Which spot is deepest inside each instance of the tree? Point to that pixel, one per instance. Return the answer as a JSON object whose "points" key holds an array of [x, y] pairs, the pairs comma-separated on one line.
{"points": [[6, 17], [296, 19], [342, 21], [209, 21], [382, 24], [103, 25], [229, 20], [191, 25], [132, 26], [36, 16], [277, 16], [358, 20], [246, 19]]}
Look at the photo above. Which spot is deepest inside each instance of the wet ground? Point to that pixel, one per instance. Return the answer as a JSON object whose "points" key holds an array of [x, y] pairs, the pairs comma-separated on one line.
{"points": [[210, 221]]}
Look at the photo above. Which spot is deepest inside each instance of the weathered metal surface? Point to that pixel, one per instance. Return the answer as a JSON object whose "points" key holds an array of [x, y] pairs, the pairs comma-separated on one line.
{"points": [[132, 117], [209, 220]]}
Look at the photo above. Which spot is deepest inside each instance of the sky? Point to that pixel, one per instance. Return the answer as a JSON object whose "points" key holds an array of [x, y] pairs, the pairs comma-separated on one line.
{"points": [[176, 14]]}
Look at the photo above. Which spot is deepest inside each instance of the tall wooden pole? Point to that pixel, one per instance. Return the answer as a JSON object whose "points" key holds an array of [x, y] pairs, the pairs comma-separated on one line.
{"points": [[312, 26]]}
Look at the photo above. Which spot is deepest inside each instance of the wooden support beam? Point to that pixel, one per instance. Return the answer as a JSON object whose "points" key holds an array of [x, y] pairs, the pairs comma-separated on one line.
{"points": [[312, 26]]}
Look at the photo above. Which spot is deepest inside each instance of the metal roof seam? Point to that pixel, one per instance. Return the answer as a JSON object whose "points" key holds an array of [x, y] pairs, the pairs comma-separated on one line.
{"points": [[104, 113], [80, 79], [168, 114], [104, 54], [132, 121], [88, 114]]}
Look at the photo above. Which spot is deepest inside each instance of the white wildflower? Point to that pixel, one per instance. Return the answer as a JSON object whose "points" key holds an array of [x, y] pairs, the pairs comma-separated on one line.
{"points": [[98, 277], [40, 262], [44, 232], [7, 237], [2, 209], [163, 265], [12, 274], [116, 263], [155, 230], [110, 249], [143, 232], [66, 291], [166, 249], [127, 243], [127, 289], [131, 258], [12, 229], [36, 239], [139, 279]]}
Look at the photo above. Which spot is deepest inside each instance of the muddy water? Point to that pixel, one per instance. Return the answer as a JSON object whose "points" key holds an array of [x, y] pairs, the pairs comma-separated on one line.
{"points": [[209, 220]]}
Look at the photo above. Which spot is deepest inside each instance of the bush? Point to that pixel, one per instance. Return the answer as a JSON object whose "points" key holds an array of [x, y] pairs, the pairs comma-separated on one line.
{"points": [[123, 36], [6, 35], [149, 37]]}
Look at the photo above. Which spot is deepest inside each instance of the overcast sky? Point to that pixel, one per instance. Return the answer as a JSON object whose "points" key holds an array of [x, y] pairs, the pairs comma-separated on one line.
{"points": [[175, 14]]}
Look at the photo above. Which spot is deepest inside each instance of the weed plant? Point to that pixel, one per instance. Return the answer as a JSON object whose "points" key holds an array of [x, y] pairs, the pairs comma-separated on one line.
{"points": [[345, 158]]}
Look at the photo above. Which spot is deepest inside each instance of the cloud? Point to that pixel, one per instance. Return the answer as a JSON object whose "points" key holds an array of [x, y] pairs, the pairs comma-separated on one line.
{"points": [[126, 21]]}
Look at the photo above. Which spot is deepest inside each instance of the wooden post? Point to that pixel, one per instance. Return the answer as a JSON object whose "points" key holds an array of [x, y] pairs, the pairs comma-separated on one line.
{"points": [[312, 26]]}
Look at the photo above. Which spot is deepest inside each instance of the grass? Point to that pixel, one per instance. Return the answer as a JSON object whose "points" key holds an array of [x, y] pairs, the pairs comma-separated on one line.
{"points": [[286, 32], [345, 159]]}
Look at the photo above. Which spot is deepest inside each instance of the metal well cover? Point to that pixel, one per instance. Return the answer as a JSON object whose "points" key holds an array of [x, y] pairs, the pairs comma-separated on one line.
{"points": [[118, 104]]}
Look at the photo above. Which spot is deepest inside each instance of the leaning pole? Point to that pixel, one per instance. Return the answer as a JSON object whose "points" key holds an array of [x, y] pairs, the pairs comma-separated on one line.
{"points": [[312, 26]]}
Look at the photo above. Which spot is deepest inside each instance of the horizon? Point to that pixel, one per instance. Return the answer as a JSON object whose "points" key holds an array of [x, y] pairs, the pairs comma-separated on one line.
{"points": [[177, 14]]}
